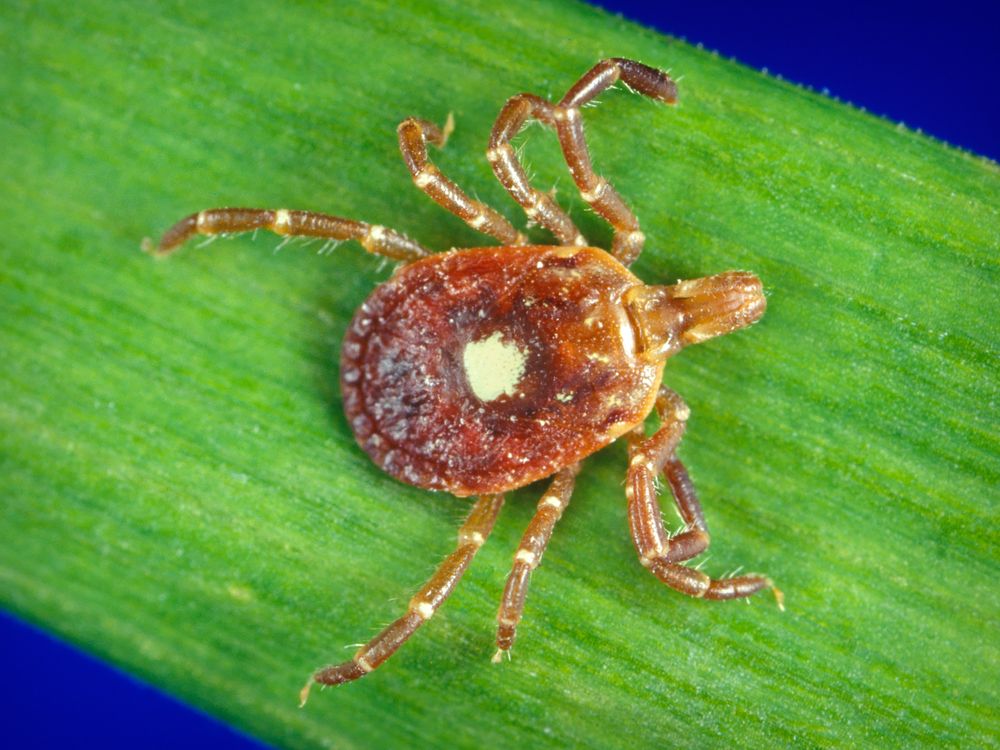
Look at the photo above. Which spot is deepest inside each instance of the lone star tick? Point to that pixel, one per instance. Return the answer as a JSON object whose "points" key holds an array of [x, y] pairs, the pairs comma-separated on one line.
{"points": [[479, 371]]}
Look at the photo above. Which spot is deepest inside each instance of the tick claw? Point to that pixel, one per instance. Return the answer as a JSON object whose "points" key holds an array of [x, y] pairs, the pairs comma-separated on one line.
{"points": [[304, 693], [448, 129], [779, 597], [498, 656]]}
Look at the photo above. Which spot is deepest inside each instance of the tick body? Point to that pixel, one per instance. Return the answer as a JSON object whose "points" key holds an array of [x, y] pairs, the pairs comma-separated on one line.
{"points": [[478, 371]]}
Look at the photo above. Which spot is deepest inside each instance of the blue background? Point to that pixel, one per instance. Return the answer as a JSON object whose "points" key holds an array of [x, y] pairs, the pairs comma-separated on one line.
{"points": [[934, 69]]}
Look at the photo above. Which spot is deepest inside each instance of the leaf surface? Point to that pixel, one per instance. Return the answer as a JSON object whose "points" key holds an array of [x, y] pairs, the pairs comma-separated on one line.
{"points": [[183, 497]]}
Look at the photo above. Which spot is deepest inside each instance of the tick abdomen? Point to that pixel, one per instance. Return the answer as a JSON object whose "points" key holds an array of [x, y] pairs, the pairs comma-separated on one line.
{"points": [[478, 371]]}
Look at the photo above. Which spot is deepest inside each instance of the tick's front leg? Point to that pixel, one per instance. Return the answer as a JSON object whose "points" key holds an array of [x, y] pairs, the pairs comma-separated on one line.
{"points": [[658, 551], [539, 206], [565, 118]]}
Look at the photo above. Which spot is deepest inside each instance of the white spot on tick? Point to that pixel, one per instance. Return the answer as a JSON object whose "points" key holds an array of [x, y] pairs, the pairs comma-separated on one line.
{"points": [[471, 537], [526, 556], [424, 609], [493, 366], [282, 221], [424, 177]]}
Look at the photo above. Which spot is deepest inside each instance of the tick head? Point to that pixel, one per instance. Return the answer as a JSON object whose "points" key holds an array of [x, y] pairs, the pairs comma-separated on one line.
{"points": [[667, 318], [719, 304]]}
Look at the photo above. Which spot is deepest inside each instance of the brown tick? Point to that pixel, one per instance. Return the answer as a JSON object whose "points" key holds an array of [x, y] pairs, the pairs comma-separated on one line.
{"points": [[478, 371]]}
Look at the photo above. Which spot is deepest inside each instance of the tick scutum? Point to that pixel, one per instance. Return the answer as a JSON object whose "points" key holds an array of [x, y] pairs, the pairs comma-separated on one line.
{"points": [[478, 371]]}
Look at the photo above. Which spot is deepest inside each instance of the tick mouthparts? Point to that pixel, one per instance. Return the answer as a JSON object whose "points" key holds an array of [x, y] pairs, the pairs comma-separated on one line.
{"points": [[719, 304], [667, 318]]}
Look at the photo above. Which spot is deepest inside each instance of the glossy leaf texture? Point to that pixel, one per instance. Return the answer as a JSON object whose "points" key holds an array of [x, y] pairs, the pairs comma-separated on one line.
{"points": [[182, 495]]}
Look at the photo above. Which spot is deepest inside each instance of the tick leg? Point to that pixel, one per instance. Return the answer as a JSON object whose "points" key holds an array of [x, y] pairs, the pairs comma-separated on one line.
{"points": [[658, 551], [414, 135], [529, 556], [604, 199], [565, 118], [539, 206], [422, 606], [374, 238]]}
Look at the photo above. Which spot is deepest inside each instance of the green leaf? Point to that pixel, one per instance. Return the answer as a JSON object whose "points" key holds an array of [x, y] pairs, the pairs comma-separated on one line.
{"points": [[183, 497]]}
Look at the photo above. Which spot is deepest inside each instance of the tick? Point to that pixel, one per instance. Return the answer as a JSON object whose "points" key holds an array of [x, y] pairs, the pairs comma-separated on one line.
{"points": [[479, 371]]}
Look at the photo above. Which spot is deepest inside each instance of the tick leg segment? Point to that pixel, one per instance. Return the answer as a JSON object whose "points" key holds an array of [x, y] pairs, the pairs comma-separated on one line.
{"points": [[423, 605], [414, 135], [604, 199], [565, 118], [539, 206], [658, 551], [529, 556], [374, 238]]}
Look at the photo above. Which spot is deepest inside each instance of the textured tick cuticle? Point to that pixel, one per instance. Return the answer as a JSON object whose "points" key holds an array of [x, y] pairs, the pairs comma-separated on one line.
{"points": [[479, 371], [476, 371]]}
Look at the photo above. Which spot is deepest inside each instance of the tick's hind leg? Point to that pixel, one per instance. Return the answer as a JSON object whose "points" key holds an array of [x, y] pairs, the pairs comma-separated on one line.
{"points": [[565, 118], [424, 603], [658, 551], [414, 135], [374, 238], [529, 555]]}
